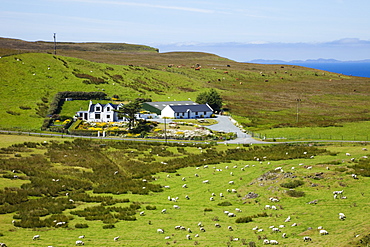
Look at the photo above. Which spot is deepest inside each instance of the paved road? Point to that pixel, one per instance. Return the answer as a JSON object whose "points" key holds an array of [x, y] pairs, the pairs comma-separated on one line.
{"points": [[226, 124]]}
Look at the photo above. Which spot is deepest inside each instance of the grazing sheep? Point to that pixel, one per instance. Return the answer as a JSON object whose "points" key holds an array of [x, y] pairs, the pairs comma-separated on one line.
{"points": [[273, 207], [159, 230], [3, 245], [206, 181], [231, 215], [287, 219], [234, 190], [185, 186], [217, 225], [230, 228], [202, 229], [319, 227], [354, 176], [81, 237], [80, 242], [294, 224], [274, 242], [183, 179], [221, 194], [211, 198], [267, 207], [189, 230], [116, 238], [342, 216], [260, 230], [266, 241], [196, 175], [164, 211], [187, 197], [284, 235], [196, 236], [323, 232], [188, 237], [167, 237], [231, 182], [348, 154], [306, 239], [176, 207], [275, 229], [142, 213], [36, 237], [200, 224]]}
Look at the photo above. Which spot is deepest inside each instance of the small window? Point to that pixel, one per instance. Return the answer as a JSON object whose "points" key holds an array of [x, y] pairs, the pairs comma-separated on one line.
{"points": [[108, 109], [97, 115], [97, 108], [108, 116]]}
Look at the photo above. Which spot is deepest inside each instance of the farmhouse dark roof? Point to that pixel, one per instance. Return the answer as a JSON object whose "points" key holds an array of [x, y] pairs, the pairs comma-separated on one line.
{"points": [[193, 108], [162, 105], [92, 106]]}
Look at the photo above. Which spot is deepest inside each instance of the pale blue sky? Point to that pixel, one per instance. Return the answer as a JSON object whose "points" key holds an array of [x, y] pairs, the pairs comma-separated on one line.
{"points": [[202, 23]]}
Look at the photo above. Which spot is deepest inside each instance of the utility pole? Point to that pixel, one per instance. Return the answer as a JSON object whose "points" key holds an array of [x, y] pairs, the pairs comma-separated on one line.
{"points": [[55, 43], [165, 130], [298, 101]]}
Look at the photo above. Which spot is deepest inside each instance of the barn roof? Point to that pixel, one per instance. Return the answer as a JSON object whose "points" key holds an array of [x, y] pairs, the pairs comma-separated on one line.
{"points": [[163, 104], [193, 108]]}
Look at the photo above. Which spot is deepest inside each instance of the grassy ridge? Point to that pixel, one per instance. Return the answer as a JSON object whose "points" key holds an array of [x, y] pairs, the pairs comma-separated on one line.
{"points": [[258, 177], [259, 96]]}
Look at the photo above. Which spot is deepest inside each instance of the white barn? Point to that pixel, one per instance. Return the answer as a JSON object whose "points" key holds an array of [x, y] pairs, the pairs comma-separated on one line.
{"points": [[187, 111], [100, 113]]}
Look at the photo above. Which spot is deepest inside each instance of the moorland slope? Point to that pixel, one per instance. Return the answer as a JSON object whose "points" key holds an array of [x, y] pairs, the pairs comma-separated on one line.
{"points": [[259, 96]]}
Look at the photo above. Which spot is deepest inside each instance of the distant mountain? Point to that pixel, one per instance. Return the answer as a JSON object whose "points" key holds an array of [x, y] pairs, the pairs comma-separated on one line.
{"points": [[320, 60]]}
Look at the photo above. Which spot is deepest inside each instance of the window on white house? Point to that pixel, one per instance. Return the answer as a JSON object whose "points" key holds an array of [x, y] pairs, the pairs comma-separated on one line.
{"points": [[108, 116], [97, 115], [108, 109], [97, 108]]}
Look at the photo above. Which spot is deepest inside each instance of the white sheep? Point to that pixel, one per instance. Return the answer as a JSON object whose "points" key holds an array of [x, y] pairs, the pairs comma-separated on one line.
{"points": [[206, 181], [142, 213], [323, 232], [231, 215], [185, 186], [287, 219], [164, 211], [116, 238], [231, 182], [176, 207], [274, 242], [211, 198], [188, 237], [80, 242], [306, 239], [36, 237], [275, 229], [159, 230], [266, 241], [284, 235], [81, 237], [230, 228]]}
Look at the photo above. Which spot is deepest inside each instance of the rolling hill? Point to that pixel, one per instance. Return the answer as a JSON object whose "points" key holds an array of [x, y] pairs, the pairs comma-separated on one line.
{"points": [[259, 96]]}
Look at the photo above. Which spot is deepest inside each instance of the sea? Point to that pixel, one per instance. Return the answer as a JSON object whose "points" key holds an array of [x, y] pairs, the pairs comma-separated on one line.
{"points": [[345, 68]]}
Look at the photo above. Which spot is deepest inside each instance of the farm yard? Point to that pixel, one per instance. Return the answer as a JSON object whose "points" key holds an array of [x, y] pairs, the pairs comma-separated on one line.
{"points": [[115, 193]]}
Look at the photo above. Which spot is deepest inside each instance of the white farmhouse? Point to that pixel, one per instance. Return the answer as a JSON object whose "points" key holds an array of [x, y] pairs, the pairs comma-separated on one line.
{"points": [[187, 111], [100, 113]]}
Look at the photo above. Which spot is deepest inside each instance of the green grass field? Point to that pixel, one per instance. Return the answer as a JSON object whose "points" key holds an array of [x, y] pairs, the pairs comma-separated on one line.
{"points": [[261, 97], [258, 177]]}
